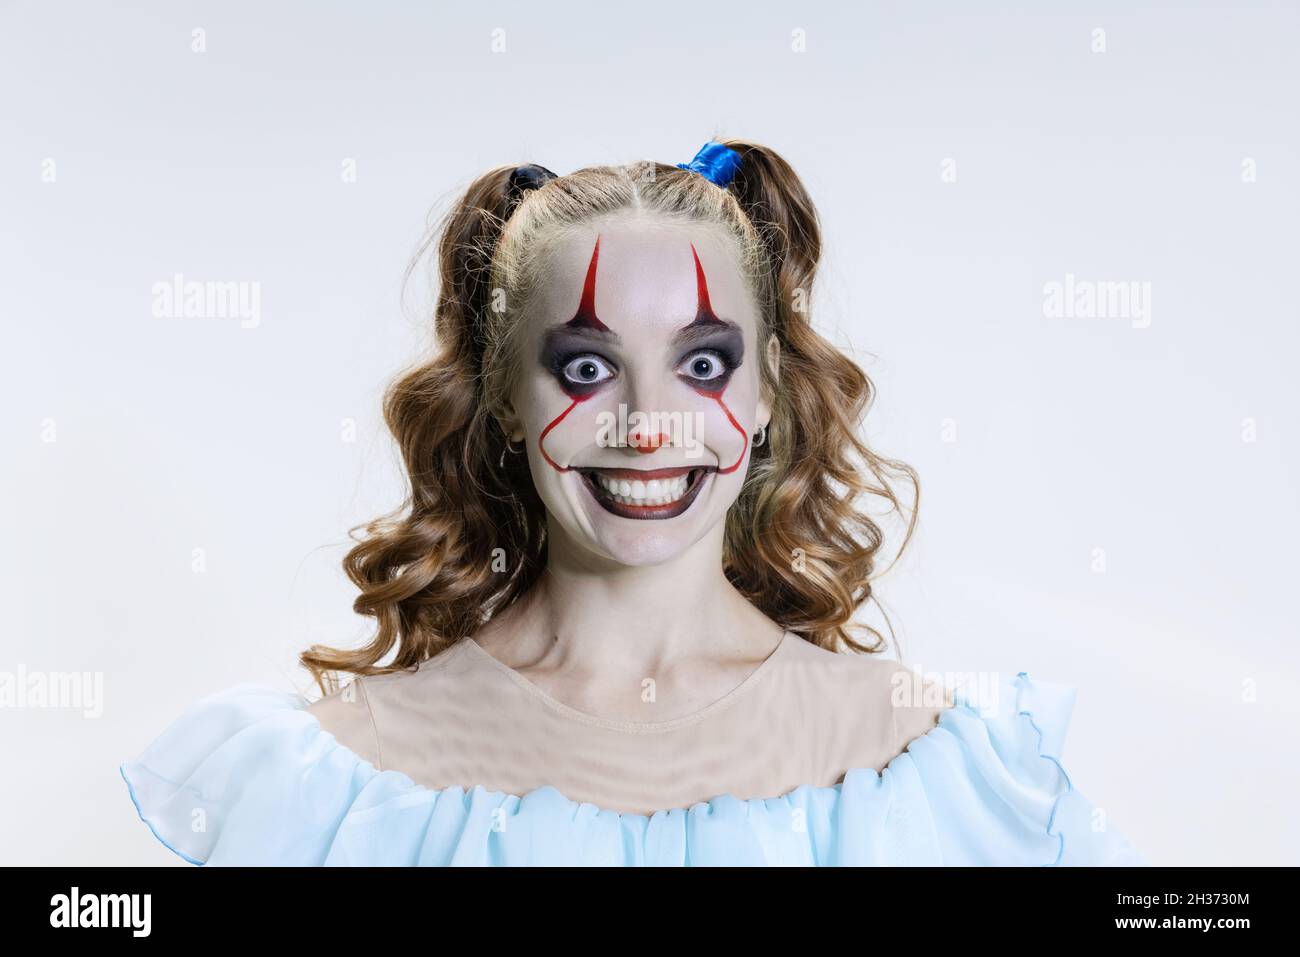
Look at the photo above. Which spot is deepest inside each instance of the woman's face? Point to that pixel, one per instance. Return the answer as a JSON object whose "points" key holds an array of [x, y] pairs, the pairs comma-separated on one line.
{"points": [[640, 392]]}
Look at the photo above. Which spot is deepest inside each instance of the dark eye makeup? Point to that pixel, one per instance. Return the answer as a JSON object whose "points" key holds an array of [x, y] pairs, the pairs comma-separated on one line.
{"points": [[706, 367], [706, 361], [712, 357], [573, 362], [587, 370]]}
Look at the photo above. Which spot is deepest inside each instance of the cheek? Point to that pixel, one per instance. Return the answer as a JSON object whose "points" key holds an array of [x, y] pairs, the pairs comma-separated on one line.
{"points": [[736, 435], [559, 426], [567, 438], [728, 413]]}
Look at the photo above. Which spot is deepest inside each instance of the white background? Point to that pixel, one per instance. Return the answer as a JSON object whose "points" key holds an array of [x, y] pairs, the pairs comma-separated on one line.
{"points": [[1072, 435]]}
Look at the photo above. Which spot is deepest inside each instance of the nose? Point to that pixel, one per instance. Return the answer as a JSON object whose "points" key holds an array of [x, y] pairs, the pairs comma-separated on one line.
{"points": [[646, 430], [645, 442]]}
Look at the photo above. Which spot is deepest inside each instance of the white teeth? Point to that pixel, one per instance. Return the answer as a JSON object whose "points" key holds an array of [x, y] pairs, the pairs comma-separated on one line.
{"points": [[654, 492]]}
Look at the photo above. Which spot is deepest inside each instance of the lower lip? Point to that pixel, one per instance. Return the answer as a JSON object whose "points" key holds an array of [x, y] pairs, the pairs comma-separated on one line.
{"points": [[671, 510]]}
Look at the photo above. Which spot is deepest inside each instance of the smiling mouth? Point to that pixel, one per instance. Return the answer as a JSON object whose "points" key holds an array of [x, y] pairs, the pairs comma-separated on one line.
{"points": [[645, 493]]}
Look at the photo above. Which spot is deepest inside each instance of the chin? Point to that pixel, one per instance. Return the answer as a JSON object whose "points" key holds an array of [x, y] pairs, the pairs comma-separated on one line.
{"points": [[642, 549]]}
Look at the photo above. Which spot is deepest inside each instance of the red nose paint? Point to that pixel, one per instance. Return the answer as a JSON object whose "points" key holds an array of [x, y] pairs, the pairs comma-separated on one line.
{"points": [[649, 443]]}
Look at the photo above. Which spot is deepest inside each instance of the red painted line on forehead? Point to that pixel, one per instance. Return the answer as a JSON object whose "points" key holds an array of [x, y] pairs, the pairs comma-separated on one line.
{"points": [[703, 309], [586, 314], [704, 314]]}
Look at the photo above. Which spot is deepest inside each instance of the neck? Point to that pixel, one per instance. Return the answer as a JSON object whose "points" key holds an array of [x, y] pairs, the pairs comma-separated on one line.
{"points": [[611, 617]]}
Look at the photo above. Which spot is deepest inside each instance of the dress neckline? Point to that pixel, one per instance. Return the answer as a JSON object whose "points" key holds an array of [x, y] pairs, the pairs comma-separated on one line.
{"points": [[635, 727]]}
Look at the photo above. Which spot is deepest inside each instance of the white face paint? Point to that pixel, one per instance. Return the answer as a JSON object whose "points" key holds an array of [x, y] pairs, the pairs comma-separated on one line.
{"points": [[640, 387]]}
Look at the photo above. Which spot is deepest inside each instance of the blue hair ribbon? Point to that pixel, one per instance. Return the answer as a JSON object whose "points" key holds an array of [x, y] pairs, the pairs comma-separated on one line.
{"points": [[715, 162]]}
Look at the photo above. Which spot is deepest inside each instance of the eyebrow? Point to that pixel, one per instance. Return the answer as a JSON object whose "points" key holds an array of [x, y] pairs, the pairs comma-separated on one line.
{"points": [[706, 321], [570, 331], [702, 328], [692, 332]]}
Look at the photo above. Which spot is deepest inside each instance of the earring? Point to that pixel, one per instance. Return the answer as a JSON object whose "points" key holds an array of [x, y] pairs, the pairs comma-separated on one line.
{"points": [[761, 437], [510, 448]]}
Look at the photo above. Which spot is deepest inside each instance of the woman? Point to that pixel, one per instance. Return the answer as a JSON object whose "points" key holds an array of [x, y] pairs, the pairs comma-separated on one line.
{"points": [[617, 598]]}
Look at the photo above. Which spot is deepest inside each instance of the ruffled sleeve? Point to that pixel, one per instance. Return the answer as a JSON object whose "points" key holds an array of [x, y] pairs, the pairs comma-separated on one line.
{"points": [[249, 777], [997, 790], [246, 776]]}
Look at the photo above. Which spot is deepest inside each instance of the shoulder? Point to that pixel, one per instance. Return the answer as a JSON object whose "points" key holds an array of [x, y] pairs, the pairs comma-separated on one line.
{"points": [[361, 714], [858, 687], [346, 714], [917, 701]]}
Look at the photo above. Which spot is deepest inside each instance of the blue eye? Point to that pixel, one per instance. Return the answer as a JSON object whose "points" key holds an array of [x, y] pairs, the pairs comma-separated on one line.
{"points": [[704, 365], [587, 370]]}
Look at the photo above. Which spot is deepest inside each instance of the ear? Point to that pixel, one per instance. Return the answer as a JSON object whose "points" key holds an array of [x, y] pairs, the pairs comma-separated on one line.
{"points": [[772, 356], [510, 423], [513, 431]]}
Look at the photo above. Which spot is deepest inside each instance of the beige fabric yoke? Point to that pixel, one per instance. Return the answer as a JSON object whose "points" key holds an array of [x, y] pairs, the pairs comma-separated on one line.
{"points": [[805, 716]]}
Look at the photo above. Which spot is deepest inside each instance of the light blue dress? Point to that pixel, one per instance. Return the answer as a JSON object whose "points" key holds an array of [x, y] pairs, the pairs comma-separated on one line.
{"points": [[248, 777]]}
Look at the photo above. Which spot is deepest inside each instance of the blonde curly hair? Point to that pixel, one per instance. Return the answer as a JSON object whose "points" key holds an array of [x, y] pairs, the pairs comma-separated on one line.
{"points": [[799, 543]]}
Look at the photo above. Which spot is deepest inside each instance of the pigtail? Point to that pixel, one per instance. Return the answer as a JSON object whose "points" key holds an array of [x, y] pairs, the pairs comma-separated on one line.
{"points": [[429, 571], [802, 548], [774, 199]]}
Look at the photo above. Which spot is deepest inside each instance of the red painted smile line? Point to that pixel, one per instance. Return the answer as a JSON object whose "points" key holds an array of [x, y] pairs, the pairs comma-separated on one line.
{"points": [[717, 397], [541, 439]]}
